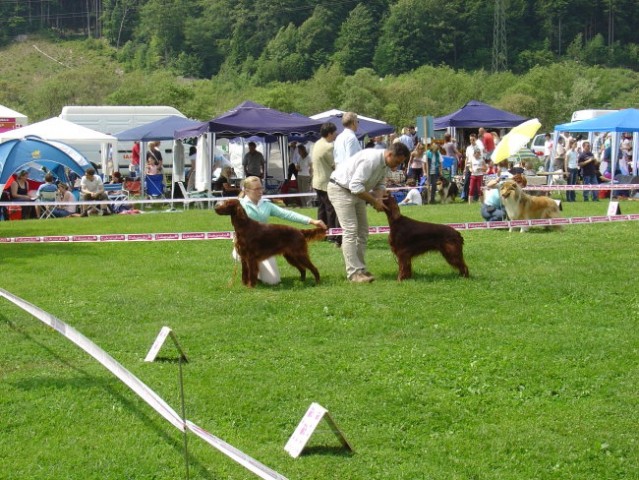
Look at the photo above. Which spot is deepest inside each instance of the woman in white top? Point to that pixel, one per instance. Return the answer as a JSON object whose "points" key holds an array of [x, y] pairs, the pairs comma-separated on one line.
{"points": [[571, 167], [416, 163]]}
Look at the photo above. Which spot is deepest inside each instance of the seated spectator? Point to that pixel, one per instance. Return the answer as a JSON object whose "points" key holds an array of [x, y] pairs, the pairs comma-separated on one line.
{"points": [[528, 169], [396, 178], [47, 187], [92, 189], [19, 192], [413, 197], [65, 195], [222, 183], [492, 209]]}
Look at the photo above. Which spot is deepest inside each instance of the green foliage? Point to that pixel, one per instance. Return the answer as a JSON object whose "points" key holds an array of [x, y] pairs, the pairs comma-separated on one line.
{"points": [[355, 45]]}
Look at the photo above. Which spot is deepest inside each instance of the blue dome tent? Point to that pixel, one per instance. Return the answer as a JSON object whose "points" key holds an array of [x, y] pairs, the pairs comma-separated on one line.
{"points": [[34, 154]]}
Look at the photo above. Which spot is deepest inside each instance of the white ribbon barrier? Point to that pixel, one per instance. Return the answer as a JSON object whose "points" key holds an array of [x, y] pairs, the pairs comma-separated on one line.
{"points": [[165, 237], [140, 388]]}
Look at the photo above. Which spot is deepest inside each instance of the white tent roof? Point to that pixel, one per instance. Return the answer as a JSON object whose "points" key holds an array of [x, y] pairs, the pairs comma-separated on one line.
{"points": [[62, 130], [6, 112], [334, 111], [67, 132]]}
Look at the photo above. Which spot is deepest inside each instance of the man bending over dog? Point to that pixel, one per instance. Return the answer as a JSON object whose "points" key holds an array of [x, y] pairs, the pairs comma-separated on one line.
{"points": [[349, 190]]}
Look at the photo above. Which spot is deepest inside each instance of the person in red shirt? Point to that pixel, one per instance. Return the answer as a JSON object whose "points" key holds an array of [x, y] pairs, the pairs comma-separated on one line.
{"points": [[488, 140], [134, 168]]}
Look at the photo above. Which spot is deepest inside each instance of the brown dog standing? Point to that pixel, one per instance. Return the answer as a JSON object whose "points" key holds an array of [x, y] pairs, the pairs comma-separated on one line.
{"points": [[409, 238]]}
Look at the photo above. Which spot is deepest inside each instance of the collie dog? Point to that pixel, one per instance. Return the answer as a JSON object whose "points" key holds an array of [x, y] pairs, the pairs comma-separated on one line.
{"points": [[447, 190], [521, 206]]}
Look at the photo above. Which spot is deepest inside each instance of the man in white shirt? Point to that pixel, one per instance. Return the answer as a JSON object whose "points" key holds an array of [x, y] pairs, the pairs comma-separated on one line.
{"points": [[351, 186], [346, 144], [92, 188]]}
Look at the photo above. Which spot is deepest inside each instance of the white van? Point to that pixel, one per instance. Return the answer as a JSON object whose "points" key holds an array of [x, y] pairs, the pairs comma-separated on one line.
{"points": [[115, 119], [588, 114]]}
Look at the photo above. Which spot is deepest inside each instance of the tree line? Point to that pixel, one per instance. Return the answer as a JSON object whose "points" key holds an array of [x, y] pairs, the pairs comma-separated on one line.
{"points": [[291, 40]]}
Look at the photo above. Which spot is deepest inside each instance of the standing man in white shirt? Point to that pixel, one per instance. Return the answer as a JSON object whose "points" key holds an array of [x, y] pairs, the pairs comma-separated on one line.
{"points": [[353, 184], [346, 144]]}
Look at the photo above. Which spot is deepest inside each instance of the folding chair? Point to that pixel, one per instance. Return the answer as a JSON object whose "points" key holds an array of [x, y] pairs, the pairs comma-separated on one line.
{"points": [[46, 211], [191, 195], [271, 186], [117, 194], [154, 186], [449, 166]]}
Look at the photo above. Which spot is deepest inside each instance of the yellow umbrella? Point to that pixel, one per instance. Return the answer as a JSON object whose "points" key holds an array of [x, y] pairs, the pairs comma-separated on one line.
{"points": [[512, 142]]}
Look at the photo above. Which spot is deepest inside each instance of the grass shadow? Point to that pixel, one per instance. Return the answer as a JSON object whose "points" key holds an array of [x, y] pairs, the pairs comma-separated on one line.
{"points": [[326, 450]]}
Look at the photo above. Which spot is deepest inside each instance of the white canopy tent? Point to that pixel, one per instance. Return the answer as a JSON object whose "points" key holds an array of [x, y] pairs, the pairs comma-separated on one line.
{"points": [[10, 119], [67, 132]]}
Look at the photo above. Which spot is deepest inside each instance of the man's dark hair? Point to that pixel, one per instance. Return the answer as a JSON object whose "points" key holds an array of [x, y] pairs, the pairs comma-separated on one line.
{"points": [[400, 150], [327, 128]]}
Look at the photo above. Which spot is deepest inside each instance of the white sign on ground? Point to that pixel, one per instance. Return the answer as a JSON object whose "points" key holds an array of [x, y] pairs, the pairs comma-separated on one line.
{"points": [[159, 341], [307, 426], [613, 209]]}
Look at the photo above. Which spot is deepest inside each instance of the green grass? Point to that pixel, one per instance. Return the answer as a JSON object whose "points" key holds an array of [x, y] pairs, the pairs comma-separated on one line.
{"points": [[526, 370]]}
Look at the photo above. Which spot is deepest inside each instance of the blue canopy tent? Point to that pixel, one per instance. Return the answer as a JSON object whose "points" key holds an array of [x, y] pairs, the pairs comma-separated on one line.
{"points": [[246, 120], [618, 122], [162, 129], [477, 114], [33, 154]]}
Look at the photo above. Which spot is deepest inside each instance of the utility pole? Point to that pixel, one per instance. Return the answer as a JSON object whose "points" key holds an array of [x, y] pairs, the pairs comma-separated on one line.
{"points": [[500, 52]]}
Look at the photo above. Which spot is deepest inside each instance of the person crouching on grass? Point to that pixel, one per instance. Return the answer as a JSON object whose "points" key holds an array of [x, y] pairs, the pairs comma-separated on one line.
{"points": [[261, 210]]}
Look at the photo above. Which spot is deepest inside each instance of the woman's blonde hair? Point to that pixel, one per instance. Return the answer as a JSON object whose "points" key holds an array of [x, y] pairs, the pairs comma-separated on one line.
{"points": [[248, 182]]}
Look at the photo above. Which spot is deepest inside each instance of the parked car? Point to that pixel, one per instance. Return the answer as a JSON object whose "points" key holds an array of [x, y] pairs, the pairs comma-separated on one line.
{"points": [[537, 143]]}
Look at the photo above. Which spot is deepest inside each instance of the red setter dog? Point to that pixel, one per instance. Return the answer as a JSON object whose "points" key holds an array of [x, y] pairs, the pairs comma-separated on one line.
{"points": [[409, 238], [256, 241]]}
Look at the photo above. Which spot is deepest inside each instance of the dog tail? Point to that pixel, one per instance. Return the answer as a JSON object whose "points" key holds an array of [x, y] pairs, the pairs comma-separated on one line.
{"points": [[314, 234]]}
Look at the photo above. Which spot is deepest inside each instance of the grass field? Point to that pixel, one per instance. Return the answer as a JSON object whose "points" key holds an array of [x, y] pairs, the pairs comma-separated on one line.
{"points": [[527, 370]]}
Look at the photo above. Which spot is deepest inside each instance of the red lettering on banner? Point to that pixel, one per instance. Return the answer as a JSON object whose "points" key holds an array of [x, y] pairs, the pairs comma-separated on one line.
{"points": [[580, 220], [6, 240], [222, 235], [599, 219], [540, 221], [458, 226], [84, 238], [167, 236], [139, 236], [618, 218], [28, 239], [633, 216], [560, 221], [112, 238], [519, 223], [383, 229], [56, 239], [474, 225], [194, 236], [497, 224]]}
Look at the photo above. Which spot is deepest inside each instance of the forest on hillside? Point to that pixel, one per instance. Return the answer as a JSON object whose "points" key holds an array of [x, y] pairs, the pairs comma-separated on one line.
{"points": [[291, 40]]}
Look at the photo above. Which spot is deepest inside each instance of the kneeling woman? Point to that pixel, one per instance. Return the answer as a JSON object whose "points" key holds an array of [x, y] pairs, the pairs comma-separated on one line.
{"points": [[260, 210]]}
